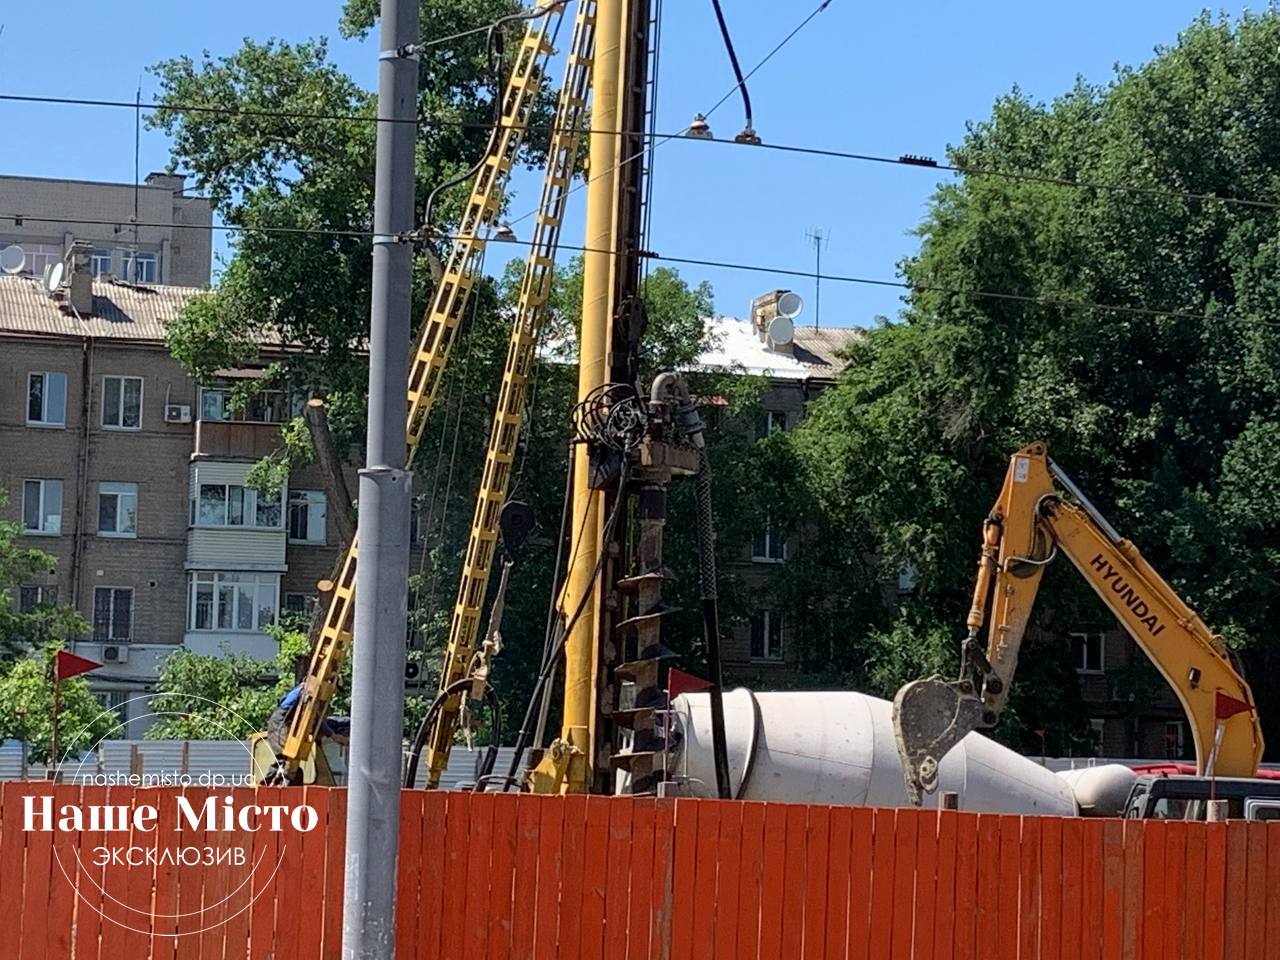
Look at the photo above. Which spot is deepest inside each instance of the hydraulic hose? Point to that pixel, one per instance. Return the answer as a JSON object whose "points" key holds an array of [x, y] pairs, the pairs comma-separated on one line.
{"points": [[424, 728], [711, 621]]}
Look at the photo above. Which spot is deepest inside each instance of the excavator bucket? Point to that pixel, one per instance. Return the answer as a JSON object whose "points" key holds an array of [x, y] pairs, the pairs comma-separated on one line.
{"points": [[929, 718]]}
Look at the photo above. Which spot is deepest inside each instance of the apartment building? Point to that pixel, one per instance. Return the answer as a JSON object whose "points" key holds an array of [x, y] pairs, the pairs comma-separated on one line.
{"points": [[133, 477], [153, 233]]}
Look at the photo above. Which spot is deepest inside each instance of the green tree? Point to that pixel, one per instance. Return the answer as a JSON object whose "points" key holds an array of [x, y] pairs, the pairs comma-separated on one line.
{"points": [[26, 708], [23, 566], [1167, 418]]}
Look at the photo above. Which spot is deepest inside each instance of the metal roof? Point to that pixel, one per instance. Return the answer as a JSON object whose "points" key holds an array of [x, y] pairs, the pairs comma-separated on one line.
{"points": [[120, 311], [736, 346]]}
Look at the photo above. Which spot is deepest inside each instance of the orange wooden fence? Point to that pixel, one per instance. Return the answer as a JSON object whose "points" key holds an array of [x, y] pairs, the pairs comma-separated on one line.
{"points": [[493, 876]]}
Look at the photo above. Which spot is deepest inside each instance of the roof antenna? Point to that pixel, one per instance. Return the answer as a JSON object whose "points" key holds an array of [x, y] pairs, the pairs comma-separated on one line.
{"points": [[137, 179], [818, 238]]}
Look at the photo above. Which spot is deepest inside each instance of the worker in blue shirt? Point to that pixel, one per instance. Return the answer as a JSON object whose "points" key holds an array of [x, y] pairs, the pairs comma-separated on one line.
{"points": [[337, 729]]}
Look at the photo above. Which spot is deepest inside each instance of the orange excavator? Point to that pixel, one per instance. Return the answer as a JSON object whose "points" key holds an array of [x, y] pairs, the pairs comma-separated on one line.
{"points": [[1040, 513]]}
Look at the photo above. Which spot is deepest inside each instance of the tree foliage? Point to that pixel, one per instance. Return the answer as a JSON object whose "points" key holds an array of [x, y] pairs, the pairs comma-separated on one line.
{"points": [[26, 708], [1166, 416]]}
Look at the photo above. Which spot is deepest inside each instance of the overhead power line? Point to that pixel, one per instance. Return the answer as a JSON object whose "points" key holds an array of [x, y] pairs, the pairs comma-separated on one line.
{"points": [[700, 262]]}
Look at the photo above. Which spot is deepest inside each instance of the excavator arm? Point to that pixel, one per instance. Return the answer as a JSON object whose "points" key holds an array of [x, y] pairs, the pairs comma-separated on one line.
{"points": [[1029, 525]]}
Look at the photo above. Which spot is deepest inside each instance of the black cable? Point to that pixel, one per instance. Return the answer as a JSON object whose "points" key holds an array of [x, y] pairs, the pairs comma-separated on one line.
{"points": [[737, 70], [424, 728]]}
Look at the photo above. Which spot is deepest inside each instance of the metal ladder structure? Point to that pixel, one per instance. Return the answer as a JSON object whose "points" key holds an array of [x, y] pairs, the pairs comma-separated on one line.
{"points": [[427, 371], [504, 435]]}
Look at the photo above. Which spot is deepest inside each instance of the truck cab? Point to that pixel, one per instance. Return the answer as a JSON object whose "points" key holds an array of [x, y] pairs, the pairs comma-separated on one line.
{"points": [[1186, 798]]}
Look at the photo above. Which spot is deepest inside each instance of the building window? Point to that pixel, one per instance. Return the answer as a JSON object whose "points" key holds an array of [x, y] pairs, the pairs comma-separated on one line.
{"points": [[307, 516], [117, 509], [1087, 652], [1174, 740], [115, 700], [265, 406], [47, 399], [1096, 728], [122, 403], [42, 506], [112, 613], [768, 547], [29, 598], [139, 267], [40, 256], [300, 603], [766, 636], [231, 505], [233, 601], [100, 263], [771, 422]]}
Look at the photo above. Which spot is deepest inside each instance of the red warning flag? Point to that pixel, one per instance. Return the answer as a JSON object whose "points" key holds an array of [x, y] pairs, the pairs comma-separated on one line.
{"points": [[69, 665], [679, 682], [1225, 706]]}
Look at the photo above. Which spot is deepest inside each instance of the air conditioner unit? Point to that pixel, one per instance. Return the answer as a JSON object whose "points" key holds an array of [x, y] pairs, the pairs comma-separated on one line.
{"points": [[177, 413], [115, 653]]}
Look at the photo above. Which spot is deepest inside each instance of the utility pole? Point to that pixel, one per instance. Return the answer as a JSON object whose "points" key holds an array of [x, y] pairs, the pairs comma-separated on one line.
{"points": [[377, 696], [819, 239]]}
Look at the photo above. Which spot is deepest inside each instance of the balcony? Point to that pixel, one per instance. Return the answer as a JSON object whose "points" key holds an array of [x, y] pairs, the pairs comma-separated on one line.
{"points": [[236, 439]]}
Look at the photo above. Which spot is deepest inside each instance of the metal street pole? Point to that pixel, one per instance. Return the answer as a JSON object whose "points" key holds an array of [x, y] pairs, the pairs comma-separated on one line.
{"points": [[377, 695]]}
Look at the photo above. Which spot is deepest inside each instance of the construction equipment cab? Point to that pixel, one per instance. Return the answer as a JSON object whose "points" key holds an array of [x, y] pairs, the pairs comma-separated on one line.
{"points": [[1032, 522]]}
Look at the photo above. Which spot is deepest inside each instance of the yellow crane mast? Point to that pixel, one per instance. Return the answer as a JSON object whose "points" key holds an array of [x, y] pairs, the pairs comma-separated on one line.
{"points": [[426, 373]]}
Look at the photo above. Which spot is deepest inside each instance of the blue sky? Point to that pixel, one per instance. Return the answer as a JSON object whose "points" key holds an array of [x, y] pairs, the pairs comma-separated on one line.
{"points": [[884, 79]]}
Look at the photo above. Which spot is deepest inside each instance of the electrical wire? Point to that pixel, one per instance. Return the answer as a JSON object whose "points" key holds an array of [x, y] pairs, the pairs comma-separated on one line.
{"points": [[737, 70], [910, 287]]}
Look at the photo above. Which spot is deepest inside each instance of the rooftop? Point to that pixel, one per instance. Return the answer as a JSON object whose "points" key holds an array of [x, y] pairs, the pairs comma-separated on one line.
{"points": [[120, 311], [736, 346]]}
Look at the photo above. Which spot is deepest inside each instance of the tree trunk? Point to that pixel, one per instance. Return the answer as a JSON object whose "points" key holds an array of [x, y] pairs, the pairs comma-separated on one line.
{"points": [[335, 483]]}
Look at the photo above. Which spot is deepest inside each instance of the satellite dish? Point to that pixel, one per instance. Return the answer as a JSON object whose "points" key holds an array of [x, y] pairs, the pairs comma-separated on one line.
{"points": [[12, 259], [781, 329], [790, 304], [53, 276]]}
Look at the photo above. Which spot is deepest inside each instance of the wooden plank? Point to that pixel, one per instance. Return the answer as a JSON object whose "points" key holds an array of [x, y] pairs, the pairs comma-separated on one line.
{"points": [[409, 864], [168, 875], [906, 824], [1153, 918], [435, 834], [619, 893], [1091, 934], [750, 881], [988, 887], [1193, 895], [1257, 896], [1215, 885], [1030, 908], [1273, 886], [1113, 892], [684, 860], [945, 887], [1175, 888], [926, 893], [36, 873], [1007, 904], [862, 835], [502, 868], [525, 885], [594, 877], [883, 851], [1235, 907], [1053, 924], [817, 845], [728, 881], [573, 832], [793, 890], [190, 887], [664, 878], [455, 847], [706, 855], [1134, 867], [550, 861], [1074, 919], [965, 935], [837, 908], [62, 875], [335, 873], [88, 884], [128, 889], [271, 849], [477, 903], [772, 871], [240, 843], [311, 925], [12, 853]]}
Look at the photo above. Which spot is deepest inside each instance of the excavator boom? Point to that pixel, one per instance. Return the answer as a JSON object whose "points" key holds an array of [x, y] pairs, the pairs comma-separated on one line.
{"points": [[1029, 525]]}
